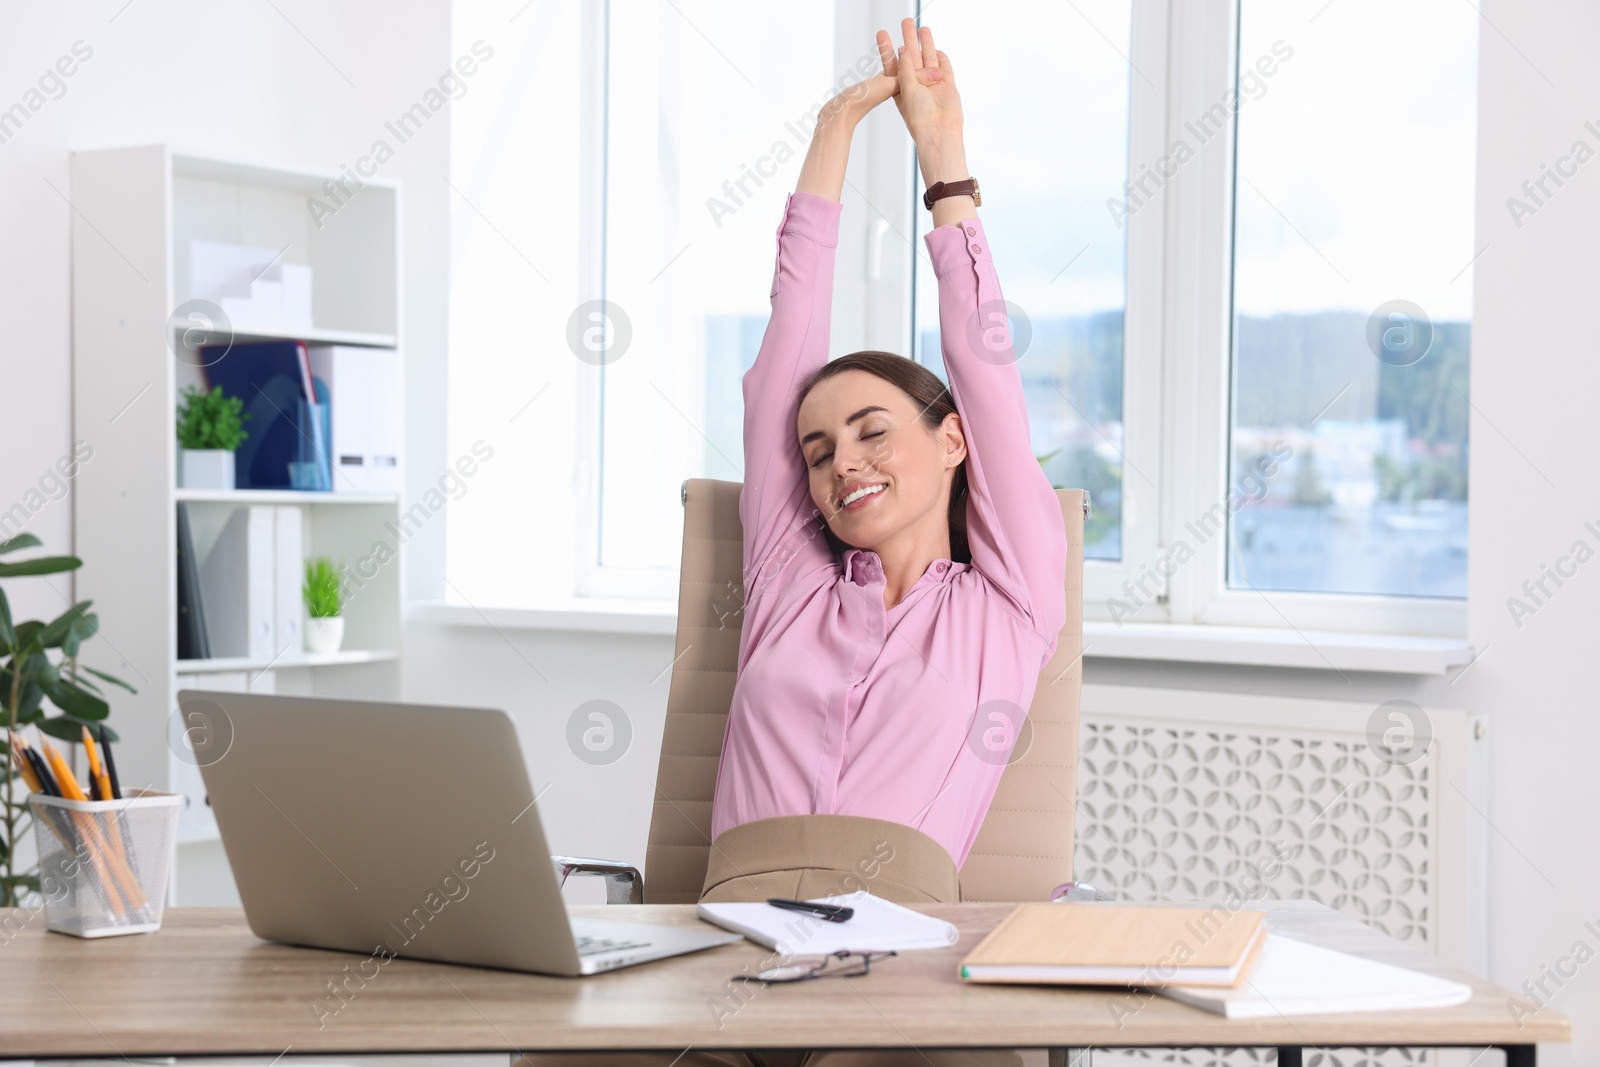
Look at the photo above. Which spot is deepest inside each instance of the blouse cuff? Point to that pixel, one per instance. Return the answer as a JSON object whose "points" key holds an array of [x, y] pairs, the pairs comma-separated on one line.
{"points": [[813, 216], [957, 244]]}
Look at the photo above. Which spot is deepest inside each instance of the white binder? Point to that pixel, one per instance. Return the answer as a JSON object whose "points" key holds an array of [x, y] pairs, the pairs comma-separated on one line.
{"points": [[288, 575], [364, 395], [237, 585], [195, 819]]}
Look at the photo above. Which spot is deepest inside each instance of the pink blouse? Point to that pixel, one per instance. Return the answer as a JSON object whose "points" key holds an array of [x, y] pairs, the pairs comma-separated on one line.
{"points": [[842, 706]]}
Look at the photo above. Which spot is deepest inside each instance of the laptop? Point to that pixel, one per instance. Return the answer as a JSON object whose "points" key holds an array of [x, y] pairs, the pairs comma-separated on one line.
{"points": [[398, 830]]}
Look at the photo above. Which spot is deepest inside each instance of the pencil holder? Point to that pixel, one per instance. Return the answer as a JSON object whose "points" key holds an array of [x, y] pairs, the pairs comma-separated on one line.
{"points": [[104, 864]]}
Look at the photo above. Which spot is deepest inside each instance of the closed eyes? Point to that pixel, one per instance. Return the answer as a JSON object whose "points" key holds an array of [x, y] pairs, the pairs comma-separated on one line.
{"points": [[866, 436]]}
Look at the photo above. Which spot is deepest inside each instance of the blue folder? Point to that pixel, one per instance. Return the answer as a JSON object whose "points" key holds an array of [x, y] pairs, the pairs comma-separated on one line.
{"points": [[270, 377]]}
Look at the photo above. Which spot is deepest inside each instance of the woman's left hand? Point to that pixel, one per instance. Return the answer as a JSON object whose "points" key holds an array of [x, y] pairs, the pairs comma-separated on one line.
{"points": [[928, 100]]}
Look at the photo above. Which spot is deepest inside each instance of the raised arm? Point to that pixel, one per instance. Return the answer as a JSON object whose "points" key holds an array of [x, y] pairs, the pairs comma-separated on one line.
{"points": [[1014, 523], [775, 498]]}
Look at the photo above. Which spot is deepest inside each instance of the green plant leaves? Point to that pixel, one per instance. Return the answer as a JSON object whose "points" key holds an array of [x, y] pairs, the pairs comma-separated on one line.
{"points": [[29, 677], [321, 588], [22, 540], [211, 420], [75, 701], [42, 565], [70, 728], [74, 621], [12, 882], [8, 633], [104, 677]]}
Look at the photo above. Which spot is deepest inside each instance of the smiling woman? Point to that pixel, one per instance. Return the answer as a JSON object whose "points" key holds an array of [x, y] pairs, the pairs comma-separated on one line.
{"points": [[938, 590], [885, 668]]}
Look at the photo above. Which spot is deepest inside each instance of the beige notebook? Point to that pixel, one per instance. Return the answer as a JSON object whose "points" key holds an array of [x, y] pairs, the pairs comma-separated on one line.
{"points": [[1117, 945]]}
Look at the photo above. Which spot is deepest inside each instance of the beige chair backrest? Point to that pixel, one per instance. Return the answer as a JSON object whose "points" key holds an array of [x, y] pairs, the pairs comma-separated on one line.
{"points": [[1024, 849]]}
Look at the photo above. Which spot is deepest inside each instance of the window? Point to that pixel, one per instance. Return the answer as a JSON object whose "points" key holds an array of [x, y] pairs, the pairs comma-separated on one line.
{"points": [[1235, 237], [706, 127], [1352, 297]]}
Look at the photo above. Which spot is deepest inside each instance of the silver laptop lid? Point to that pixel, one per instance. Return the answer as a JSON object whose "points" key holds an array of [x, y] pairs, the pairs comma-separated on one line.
{"points": [[383, 828]]}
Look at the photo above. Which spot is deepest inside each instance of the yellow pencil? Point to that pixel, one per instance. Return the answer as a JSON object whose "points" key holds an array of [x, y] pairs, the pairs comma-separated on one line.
{"points": [[95, 770], [24, 768]]}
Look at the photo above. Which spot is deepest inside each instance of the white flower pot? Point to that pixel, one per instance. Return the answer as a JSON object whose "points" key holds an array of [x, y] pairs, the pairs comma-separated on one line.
{"points": [[205, 468], [324, 635]]}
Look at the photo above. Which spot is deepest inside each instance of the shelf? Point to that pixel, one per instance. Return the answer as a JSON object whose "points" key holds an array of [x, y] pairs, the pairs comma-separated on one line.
{"points": [[279, 496], [245, 334], [218, 664]]}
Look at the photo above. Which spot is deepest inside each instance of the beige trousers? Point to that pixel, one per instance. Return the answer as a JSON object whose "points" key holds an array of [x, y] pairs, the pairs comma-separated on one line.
{"points": [[805, 856]]}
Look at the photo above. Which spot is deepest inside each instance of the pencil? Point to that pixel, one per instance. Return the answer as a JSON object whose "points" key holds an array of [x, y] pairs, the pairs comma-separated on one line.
{"points": [[64, 777], [47, 784], [24, 768], [96, 771]]}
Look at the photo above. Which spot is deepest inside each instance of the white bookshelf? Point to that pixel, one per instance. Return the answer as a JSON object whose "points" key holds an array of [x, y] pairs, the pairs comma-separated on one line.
{"points": [[135, 212]]}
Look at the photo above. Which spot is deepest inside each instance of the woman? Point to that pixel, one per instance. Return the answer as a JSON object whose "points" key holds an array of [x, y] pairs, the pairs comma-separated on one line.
{"points": [[904, 569], [904, 553]]}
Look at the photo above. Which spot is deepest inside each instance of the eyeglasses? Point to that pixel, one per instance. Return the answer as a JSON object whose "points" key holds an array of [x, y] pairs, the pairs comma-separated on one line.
{"points": [[850, 965]]}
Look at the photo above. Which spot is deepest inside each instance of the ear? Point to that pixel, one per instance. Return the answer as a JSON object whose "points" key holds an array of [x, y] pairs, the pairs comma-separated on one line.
{"points": [[952, 440]]}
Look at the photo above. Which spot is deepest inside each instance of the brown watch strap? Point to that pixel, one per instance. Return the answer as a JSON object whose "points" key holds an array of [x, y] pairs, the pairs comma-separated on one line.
{"points": [[940, 190]]}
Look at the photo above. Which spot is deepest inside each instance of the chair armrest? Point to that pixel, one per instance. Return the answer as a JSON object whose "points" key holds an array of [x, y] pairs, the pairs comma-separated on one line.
{"points": [[624, 883], [1072, 892]]}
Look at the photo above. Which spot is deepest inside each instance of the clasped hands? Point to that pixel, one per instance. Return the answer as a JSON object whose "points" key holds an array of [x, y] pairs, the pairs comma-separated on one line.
{"points": [[920, 79]]}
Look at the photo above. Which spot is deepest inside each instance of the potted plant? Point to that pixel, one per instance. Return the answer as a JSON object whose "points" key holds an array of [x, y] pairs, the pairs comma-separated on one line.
{"points": [[210, 427], [29, 676], [325, 627]]}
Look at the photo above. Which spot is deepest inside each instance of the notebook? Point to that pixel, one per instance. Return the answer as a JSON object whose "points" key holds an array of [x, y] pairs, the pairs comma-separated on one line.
{"points": [[877, 924], [1105, 945], [1292, 977]]}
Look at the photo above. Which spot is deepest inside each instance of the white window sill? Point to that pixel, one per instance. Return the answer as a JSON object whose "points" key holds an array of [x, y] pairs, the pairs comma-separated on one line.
{"points": [[585, 614], [1241, 645]]}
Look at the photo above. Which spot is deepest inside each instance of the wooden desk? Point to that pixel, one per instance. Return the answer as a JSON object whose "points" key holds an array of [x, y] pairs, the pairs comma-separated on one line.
{"points": [[205, 985]]}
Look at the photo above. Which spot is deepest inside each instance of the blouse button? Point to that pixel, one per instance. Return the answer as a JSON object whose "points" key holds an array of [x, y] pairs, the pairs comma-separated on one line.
{"points": [[977, 248], [942, 566], [971, 230]]}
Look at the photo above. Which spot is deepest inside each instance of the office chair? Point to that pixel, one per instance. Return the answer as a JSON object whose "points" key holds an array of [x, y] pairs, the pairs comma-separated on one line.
{"points": [[1024, 849]]}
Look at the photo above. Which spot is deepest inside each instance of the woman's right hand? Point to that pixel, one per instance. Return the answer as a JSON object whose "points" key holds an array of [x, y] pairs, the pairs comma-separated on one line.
{"points": [[822, 173], [854, 103]]}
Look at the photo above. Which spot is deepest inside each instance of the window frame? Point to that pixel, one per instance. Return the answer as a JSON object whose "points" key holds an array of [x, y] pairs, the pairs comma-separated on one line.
{"points": [[1177, 356]]}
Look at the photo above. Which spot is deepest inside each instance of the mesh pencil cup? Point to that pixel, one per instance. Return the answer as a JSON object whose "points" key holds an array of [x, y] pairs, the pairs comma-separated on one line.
{"points": [[104, 864]]}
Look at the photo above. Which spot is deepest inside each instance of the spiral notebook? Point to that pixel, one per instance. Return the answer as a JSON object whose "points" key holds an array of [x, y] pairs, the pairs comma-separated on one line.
{"points": [[877, 924]]}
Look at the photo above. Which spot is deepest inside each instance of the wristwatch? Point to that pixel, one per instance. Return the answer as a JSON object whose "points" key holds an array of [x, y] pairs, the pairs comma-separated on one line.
{"points": [[940, 190]]}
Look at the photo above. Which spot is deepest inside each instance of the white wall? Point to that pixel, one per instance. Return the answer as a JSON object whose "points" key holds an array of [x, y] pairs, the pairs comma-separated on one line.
{"points": [[239, 80], [226, 80]]}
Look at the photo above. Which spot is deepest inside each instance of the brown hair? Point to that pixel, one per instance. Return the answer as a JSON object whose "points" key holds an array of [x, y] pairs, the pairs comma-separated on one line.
{"points": [[935, 402]]}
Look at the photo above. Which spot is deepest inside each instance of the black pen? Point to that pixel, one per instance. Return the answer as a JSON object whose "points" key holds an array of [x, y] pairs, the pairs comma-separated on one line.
{"points": [[834, 913], [111, 764]]}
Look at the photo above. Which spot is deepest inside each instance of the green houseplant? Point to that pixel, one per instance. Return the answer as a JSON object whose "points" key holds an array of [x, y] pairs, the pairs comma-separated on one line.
{"points": [[210, 428], [39, 663], [325, 629]]}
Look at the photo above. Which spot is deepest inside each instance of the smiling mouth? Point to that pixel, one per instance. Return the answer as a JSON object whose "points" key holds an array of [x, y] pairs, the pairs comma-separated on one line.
{"points": [[864, 499]]}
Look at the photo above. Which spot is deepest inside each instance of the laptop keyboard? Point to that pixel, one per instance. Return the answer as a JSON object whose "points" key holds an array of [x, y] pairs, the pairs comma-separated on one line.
{"points": [[593, 946]]}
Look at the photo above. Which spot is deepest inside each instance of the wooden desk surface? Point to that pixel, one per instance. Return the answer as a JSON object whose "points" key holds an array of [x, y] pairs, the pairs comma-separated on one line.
{"points": [[205, 984]]}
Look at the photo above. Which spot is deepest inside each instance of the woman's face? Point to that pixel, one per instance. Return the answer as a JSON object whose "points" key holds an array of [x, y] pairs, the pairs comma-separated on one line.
{"points": [[857, 430]]}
